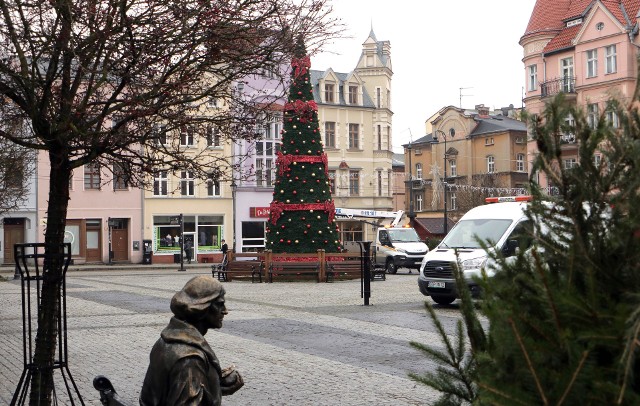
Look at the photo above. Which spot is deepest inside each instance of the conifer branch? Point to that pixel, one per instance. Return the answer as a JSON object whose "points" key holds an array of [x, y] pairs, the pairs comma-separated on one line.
{"points": [[529, 363], [547, 289], [573, 377], [500, 393]]}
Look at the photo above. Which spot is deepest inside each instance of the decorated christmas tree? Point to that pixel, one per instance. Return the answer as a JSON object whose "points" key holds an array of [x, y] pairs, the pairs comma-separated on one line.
{"points": [[302, 210]]}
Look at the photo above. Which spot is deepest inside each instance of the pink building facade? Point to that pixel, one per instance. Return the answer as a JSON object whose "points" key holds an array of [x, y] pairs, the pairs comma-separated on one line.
{"points": [[103, 216], [586, 50]]}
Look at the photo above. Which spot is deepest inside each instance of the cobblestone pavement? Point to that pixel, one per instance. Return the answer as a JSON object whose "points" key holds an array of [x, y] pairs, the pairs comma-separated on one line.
{"points": [[297, 343]]}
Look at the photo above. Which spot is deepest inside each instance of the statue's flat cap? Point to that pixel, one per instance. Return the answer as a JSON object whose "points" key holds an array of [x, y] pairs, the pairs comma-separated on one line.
{"points": [[196, 296]]}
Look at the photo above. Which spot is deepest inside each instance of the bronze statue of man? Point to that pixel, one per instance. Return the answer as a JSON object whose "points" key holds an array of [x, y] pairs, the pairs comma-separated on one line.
{"points": [[183, 369]]}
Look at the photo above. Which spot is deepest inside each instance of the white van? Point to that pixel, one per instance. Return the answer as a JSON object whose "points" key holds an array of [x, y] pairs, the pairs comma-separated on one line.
{"points": [[504, 223]]}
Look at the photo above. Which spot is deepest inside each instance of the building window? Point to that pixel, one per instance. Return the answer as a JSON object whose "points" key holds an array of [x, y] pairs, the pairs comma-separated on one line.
{"points": [[378, 97], [354, 183], [453, 167], [597, 159], [330, 134], [379, 174], [612, 119], [120, 176], [213, 187], [419, 201], [353, 94], [213, 137], [329, 89], [187, 184], [379, 137], [332, 181], [160, 183], [13, 176], [186, 137], [533, 77], [354, 136], [567, 75], [92, 176], [453, 201], [260, 172], [268, 172], [160, 135], [611, 63], [491, 164], [592, 63], [351, 231], [592, 115], [520, 163], [419, 171], [569, 163]]}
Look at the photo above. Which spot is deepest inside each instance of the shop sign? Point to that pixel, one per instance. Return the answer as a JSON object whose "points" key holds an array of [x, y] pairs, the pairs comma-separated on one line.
{"points": [[262, 212]]}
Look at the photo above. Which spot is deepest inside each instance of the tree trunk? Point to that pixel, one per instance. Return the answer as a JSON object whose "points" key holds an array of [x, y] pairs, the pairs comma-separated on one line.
{"points": [[46, 337]]}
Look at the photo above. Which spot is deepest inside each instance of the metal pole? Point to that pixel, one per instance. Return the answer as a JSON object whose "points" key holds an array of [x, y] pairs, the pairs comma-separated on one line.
{"points": [[109, 225], [181, 243], [365, 284], [233, 226], [411, 214], [444, 183]]}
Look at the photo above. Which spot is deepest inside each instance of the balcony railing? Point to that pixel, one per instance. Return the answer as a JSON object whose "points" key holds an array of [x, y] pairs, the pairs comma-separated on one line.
{"points": [[554, 86]]}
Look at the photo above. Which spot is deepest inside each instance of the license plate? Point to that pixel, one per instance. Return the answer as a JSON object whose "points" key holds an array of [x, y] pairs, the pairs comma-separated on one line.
{"points": [[436, 285]]}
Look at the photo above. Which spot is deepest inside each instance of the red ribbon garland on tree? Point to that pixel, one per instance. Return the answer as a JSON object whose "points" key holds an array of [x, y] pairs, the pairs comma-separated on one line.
{"points": [[301, 65], [283, 161], [300, 106], [304, 110], [276, 209]]}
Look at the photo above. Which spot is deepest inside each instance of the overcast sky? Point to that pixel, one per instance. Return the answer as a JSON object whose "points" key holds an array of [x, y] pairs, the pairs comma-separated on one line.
{"points": [[437, 47]]}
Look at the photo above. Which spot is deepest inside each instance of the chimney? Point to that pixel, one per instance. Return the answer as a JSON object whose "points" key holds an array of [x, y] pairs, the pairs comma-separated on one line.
{"points": [[482, 110]]}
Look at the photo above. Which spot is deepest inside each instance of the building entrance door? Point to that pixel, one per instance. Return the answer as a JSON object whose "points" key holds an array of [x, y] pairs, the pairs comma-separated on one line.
{"points": [[120, 239], [13, 234]]}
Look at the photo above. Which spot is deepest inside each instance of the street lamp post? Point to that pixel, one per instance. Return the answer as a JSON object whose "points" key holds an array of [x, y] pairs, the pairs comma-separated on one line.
{"points": [[411, 213], [445, 226], [233, 226]]}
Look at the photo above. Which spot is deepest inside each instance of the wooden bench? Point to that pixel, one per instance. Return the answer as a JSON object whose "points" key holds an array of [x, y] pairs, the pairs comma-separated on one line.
{"points": [[234, 267], [351, 269], [300, 268]]}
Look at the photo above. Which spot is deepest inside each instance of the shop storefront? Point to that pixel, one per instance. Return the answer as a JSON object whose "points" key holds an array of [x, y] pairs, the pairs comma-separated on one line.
{"points": [[202, 232]]}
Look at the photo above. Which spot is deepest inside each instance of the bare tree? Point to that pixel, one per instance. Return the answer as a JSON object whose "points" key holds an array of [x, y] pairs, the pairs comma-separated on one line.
{"points": [[481, 186], [17, 165], [103, 82]]}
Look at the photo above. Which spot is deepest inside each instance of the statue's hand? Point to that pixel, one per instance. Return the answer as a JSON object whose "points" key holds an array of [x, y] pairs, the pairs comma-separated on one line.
{"points": [[231, 381]]}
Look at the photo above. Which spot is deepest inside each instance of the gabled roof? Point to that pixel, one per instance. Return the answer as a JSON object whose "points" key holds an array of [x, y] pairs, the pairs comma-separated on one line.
{"points": [[563, 40], [495, 124], [316, 75], [551, 16], [434, 226], [427, 139], [397, 160], [547, 15]]}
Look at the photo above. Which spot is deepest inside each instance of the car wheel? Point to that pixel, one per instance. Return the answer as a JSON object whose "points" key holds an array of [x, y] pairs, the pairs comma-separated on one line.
{"points": [[391, 267], [443, 300]]}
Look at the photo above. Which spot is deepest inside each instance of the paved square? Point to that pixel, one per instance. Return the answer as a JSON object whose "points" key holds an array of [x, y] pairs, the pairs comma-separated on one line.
{"points": [[297, 343]]}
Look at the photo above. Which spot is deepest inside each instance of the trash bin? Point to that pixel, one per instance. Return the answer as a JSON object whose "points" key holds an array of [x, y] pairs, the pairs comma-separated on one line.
{"points": [[147, 252], [176, 258]]}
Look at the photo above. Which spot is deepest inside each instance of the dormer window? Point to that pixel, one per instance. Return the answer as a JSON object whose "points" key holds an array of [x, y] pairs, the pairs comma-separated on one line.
{"points": [[353, 94], [329, 89]]}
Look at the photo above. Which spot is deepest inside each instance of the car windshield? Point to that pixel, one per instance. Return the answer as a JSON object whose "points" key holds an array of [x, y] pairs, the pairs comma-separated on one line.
{"points": [[404, 235], [466, 232]]}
